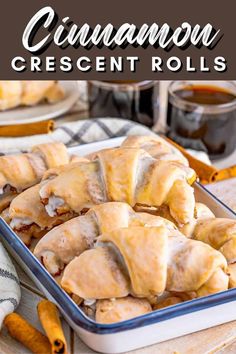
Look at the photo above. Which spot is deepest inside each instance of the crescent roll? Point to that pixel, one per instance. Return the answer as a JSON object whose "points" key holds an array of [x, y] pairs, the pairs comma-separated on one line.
{"points": [[201, 212], [116, 310], [145, 261], [174, 300], [156, 146], [18, 172], [126, 175], [220, 233], [33, 92], [10, 94], [67, 241], [27, 215], [56, 171], [28, 93]]}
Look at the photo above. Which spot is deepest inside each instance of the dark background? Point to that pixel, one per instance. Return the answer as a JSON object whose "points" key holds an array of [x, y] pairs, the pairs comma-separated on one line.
{"points": [[15, 15]]}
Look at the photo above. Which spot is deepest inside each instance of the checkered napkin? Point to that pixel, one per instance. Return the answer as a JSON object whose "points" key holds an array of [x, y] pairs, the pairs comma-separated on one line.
{"points": [[9, 286], [74, 133]]}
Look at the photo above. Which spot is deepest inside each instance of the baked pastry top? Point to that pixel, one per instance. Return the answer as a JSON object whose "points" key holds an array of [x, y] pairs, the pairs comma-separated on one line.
{"points": [[120, 230]]}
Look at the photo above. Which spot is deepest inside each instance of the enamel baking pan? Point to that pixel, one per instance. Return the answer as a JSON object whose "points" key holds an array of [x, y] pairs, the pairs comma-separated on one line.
{"points": [[148, 329]]}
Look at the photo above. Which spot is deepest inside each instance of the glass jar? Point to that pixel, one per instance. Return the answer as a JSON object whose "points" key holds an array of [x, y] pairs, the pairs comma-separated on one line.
{"points": [[202, 115], [137, 101]]}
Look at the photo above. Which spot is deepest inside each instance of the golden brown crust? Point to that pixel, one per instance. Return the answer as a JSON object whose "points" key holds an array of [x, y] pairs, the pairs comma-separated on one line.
{"points": [[54, 154], [17, 172], [219, 233], [98, 273], [152, 259], [79, 188], [28, 93], [33, 92], [201, 212], [31, 217], [116, 310], [139, 248], [192, 266], [169, 301], [10, 94], [55, 93], [56, 171], [232, 275], [119, 168], [65, 242], [5, 215], [5, 200], [167, 183], [21, 171], [156, 146], [124, 174]]}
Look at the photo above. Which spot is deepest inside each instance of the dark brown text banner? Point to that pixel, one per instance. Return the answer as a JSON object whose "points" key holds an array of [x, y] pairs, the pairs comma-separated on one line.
{"points": [[117, 40]]}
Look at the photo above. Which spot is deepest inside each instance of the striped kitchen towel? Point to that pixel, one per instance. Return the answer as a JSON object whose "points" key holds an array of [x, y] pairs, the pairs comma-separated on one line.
{"points": [[9, 286], [75, 133]]}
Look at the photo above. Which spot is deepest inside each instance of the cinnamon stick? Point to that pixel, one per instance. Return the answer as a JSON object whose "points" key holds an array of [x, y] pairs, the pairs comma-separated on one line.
{"points": [[49, 318], [225, 173], [27, 129], [205, 172], [26, 334]]}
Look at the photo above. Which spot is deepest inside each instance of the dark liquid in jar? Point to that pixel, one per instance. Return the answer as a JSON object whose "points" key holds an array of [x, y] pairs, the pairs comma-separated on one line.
{"points": [[215, 132], [136, 102]]}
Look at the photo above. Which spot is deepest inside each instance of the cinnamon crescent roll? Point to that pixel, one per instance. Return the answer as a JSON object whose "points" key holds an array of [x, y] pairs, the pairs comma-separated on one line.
{"points": [[201, 212], [67, 241], [28, 93], [126, 175], [107, 275], [27, 215], [168, 301], [10, 94], [18, 172], [56, 171], [145, 261], [116, 310], [220, 233], [156, 146], [33, 92]]}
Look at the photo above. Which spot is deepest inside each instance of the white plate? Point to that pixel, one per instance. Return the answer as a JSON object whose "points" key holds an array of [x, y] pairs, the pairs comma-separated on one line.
{"points": [[42, 111]]}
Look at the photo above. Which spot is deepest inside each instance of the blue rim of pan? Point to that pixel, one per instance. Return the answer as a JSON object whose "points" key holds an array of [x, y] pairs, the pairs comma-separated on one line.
{"points": [[77, 316]]}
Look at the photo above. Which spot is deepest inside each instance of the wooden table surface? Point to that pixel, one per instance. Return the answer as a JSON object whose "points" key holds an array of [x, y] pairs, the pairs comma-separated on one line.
{"points": [[220, 339]]}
